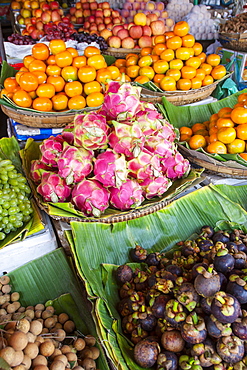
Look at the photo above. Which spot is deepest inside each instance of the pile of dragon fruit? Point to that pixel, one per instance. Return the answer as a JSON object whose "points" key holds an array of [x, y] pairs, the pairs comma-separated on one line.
{"points": [[117, 156]]}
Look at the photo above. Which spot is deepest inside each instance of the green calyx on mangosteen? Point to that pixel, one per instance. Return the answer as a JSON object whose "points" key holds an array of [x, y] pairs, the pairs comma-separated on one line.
{"points": [[225, 307]]}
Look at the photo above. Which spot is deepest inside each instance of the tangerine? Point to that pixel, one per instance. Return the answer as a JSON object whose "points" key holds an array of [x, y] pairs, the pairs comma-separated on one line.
{"points": [[236, 146], [97, 61], [89, 51], [184, 84], [93, 86], [239, 115], [188, 40], [182, 53], [79, 61], [57, 81], [63, 59], [46, 90], [174, 42], [167, 55], [40, 51], [87, 74], [218, 72], [241, 131], [77, 102], [42, 104], [161, 66], [10, 84], [225, 112], [95, 99], [28, 81], [73, 88], [22, 99], [197, 141], [216, 147], [213, 59], [181, 28], [57, 46], [208, 80], [168, 83], [60, 102], [37, 65], [226, 134]]}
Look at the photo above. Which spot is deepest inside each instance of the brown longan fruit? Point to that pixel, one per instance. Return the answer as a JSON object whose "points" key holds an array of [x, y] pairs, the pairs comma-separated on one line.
{"points": [[19, 356], [8, 354], [38, 314], [27, 362], [62, 358], [90, 340], [95, 352], [39, 360], [3, 312], [36, 327], [47, 348], [31, 350], [10, 325], [71, 356], [14, 297], [63, 317], [79, 344], [45, 331], [20, 367], [60, 335], [51, 309], [39, 340], [39, 306], [31, 337], [29, 313], [21, 309], [57, 352], [4, 279], [6, 288], [88, 364], [46, 314], [2, 299], [18, 340], [57, 326], [11, 308], [65, 349], [57, 365], [23, 325], [69, 326], [41, 367], [50, 322]]}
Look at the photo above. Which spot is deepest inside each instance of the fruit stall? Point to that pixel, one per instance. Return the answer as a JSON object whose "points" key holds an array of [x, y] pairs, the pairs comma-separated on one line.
{"points": [[123, 186]]}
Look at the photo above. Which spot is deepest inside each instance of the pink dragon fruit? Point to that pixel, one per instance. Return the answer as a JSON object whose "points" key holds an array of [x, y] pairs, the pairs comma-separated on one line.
{"points": [[159, 146], [51, 150], [37, 167], [68, 133], [156, 186], [110, 168], [126, 139], [149, 119], [74, 163], [53, 188], [91, 131], [145, 166], [122, 103], [129, 195], [90, 197], [175, 166]]}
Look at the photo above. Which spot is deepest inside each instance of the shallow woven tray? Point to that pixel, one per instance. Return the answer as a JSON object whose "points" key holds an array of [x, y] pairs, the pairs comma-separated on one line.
{"points": [[234, 41], [214, 168], [41, 120], [179, 97], [121, 53]]}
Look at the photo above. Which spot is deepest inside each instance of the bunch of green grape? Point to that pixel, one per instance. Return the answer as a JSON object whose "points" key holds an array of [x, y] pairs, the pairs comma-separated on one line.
{"points": [[15, 206]]}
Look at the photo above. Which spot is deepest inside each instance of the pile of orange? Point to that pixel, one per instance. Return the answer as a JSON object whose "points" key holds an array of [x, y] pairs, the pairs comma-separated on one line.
{"points": [[175, 62], [224, 133], [56, 78]]}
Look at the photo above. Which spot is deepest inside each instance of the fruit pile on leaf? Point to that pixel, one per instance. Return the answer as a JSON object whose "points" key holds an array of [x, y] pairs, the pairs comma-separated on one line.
{"points": [[117, 156], [57, 78], [187, 310], [172, 61], [36, 337], [224, 133]]}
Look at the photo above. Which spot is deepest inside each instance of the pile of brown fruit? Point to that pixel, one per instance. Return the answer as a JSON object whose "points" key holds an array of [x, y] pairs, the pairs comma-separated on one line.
{"points": [[188, 311], [36, 338]]}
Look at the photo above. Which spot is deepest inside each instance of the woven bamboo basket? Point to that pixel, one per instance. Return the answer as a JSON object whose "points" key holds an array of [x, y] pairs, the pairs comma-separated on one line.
{"points": [[41, 120], [216, 168], [121, 53], [234, 41]]}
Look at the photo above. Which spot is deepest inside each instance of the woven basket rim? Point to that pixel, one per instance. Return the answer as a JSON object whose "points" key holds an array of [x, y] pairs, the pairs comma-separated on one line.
{"points": [[216, 169]]}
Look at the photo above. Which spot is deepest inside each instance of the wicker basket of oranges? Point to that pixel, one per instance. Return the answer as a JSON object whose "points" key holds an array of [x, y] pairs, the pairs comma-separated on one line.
{"points": [[56, 83]]}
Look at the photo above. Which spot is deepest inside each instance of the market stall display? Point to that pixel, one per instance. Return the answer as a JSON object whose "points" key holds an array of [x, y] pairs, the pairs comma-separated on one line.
{"points": [[232, 33]]}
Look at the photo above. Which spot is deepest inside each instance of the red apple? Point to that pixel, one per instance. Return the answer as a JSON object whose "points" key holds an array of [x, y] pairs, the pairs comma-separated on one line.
{"points": [[146, 30], [86, 25], [107, 12], [115, 13], [44, 6], [39, 25], [152, 17], [79, 20], [99, 20], [114, 42], [30, 27], [105, 5], [33, 20], [135, 32], [66, 19], [99, 13], [78, 13], [117, 20], [78, 5], [145, 41], [157, 27], [72, 10], [86, 12], [130, 25], [117, 28], [55, 16], [73, 19], [101, 27], [93, 5], [37, 13], [107, 20], [164, 14], [123, 33], [46, 17], [93, 28], [109, 26], [106, 33], [54, 5], [128, 43], [125, 26]]}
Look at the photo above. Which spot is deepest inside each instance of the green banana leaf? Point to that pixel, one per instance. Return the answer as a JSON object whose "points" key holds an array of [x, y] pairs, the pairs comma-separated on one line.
{"points": [[99, 248], [66, 210], [9, 149], [52, 278], [6, 71]]}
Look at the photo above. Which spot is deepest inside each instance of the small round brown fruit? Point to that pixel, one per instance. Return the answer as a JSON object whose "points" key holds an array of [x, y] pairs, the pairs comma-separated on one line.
{"points": [[39, 360], [57, 365], [19, 356], [146, 353], [8, 354], [47, 348], [62, 358], [31, 350], [27, 362], [69, 326], [95, 352], [79, 344], [90, 340], [63, 317], [172, 341], [23, 325], [18, 340], [41, 367]]}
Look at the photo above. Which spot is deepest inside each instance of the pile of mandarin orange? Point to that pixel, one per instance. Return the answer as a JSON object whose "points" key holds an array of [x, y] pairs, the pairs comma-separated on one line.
{"points": [[224, 133], [175, 62], [56, 78]]}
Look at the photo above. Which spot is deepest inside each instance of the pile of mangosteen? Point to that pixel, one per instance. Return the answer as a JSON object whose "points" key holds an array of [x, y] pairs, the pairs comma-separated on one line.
{"points": [[188, 310]]}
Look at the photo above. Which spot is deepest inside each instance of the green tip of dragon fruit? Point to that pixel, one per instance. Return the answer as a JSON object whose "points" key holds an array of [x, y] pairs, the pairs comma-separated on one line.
{"points": [[53, 188]]}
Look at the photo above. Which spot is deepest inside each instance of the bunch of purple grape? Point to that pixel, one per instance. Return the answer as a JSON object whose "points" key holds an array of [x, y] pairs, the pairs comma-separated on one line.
{"points": [[62, 31], [89, 38], [18, 39]]}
